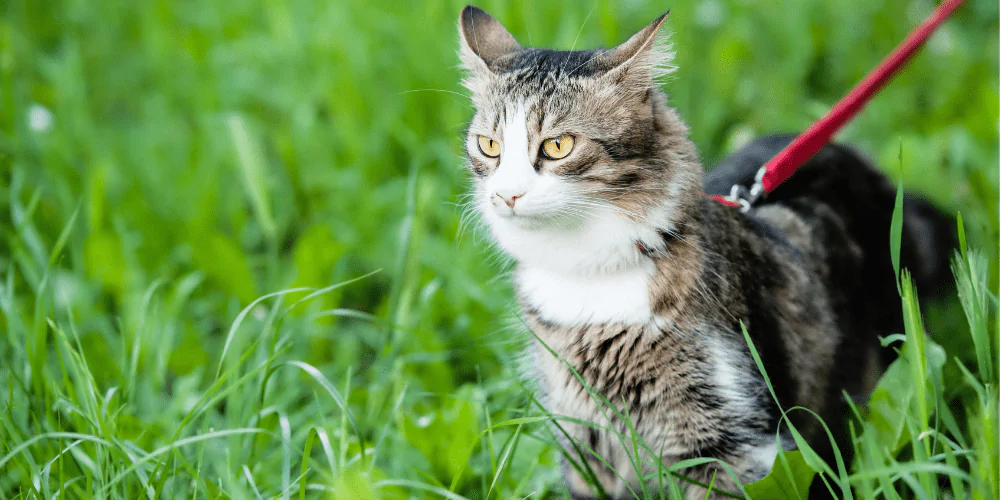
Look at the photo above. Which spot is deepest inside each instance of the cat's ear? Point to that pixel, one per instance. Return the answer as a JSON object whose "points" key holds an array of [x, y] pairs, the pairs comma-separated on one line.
{"points": [[483, 39], [641, 59]]}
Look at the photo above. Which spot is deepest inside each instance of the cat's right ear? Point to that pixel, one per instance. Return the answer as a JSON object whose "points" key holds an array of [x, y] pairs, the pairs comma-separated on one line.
{"points": [[640, 60], [483, 39]]}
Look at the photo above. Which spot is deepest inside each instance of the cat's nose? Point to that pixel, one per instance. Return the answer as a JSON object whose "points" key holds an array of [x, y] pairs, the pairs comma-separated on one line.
{"points": [[509, 199]]}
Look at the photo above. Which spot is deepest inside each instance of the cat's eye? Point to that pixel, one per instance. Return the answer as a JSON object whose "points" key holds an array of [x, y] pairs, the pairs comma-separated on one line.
{"points": [[558, 148], [489, 147]]}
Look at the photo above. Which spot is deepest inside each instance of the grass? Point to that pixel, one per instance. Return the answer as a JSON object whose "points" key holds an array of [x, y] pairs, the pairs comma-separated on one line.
{"points": [[183, 185]]}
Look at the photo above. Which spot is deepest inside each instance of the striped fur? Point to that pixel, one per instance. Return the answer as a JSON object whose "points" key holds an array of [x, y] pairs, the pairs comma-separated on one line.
{"points": [[639, 284]]}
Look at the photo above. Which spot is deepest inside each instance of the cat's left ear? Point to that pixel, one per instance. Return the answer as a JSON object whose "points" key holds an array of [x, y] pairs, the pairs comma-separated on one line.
{"points": [[641, 59], [483, 39]]}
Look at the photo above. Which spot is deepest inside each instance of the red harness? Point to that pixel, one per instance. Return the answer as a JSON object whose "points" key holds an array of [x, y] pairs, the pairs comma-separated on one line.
{"points": [[808, 143]]}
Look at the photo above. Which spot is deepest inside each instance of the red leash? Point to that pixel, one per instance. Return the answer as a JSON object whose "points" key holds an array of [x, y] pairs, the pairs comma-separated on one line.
{"points": [[808, 143]]}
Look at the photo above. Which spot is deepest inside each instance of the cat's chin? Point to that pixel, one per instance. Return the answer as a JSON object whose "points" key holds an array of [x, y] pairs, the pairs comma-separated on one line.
{"points": [[525, 221], [598, 242]]}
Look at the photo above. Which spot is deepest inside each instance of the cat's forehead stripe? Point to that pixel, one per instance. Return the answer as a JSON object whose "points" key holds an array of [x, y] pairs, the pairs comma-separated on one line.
{"points": [[538, 109]]}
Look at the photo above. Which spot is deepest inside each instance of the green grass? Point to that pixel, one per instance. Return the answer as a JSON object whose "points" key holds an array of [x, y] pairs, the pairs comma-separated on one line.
{"points": [[164, 164]]}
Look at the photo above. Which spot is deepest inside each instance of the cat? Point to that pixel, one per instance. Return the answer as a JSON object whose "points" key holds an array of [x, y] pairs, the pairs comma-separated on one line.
{"points": [[635, 284]]}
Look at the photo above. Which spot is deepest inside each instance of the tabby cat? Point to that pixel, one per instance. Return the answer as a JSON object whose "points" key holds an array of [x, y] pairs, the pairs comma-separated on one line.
{"points": [[635, 284]]}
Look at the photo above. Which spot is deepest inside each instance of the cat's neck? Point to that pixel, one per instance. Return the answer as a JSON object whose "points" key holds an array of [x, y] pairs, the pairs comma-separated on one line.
{"points": [[616, 271]]}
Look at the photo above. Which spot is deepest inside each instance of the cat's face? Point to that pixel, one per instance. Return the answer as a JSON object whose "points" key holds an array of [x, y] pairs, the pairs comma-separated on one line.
{"points": [[544, 144], [562, 140]]}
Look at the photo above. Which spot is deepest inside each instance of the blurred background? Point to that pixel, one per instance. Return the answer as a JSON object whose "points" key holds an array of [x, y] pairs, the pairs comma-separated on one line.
{"points": [[165, 163]]}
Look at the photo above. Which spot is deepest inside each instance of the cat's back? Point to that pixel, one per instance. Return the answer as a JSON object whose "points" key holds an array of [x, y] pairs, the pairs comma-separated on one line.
{"points": [[837, 207]]}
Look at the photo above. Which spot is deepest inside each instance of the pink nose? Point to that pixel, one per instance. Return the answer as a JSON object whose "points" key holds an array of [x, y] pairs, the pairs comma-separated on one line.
{"points": [[509, 200]]}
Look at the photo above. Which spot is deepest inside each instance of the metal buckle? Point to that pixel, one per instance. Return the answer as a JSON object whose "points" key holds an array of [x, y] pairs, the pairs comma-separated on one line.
{"points": [[746, 198]]}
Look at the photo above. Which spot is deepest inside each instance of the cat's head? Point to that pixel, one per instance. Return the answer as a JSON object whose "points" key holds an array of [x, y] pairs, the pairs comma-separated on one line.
{"points": [[571, 150]]}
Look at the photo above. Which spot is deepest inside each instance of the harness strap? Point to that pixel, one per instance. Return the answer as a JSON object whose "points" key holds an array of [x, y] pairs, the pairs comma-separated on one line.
{"points": [[808, 143]]}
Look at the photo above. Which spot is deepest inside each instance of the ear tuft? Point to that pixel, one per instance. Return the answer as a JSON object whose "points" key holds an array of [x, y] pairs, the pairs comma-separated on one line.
{"points": [[643, 58], [483, 39]]}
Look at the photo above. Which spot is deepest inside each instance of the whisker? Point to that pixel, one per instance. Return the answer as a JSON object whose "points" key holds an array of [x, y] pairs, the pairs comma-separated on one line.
{"points": [[469, 97], [578, 33]]}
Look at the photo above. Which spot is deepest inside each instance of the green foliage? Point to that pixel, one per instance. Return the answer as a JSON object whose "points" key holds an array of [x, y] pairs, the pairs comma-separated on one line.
{"points": [[790, 477], [165, 164], [457, 420], [896, 225], [894, 396]]}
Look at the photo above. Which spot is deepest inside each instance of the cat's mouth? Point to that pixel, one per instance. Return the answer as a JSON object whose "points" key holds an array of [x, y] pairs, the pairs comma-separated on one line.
{"points": [[537, 218], [502, 207], [515, 208], [520, 214]]}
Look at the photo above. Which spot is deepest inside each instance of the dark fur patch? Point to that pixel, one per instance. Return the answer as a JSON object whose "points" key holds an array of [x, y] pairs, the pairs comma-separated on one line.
{"points": [[539, 64], [635, 143]]}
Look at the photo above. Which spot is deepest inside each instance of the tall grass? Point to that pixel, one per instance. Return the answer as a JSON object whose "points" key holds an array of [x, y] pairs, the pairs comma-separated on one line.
{"points": [[184, 185]]}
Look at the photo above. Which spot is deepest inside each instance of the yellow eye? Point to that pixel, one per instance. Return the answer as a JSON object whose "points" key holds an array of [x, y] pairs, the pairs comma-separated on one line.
{"points": [[558, 148], [489, 147]]}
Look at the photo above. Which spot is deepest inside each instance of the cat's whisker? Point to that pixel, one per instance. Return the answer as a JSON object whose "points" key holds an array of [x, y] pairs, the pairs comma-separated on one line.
{"points": [[614, 208], [469, 218], [584, 25], [467, 97], [625, 189]]}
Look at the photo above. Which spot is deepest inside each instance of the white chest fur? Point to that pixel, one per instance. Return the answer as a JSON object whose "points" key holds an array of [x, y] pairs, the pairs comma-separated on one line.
{"points": [[570, 299]]}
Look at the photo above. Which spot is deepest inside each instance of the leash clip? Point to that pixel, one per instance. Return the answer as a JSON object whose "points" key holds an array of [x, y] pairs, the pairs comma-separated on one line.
{"points": [[746, 198]]}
